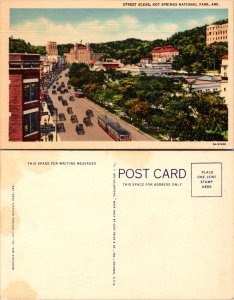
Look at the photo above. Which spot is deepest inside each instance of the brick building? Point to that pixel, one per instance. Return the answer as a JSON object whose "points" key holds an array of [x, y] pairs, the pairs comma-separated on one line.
{"points": [[164, 54], [52, 51], [82, 54], [216, 33], [51, 48], [24, 97]]}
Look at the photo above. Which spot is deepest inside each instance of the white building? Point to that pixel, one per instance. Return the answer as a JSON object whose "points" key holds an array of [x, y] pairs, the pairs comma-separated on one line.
{"points": [[224, 66], [205, 84], [216, 33]]}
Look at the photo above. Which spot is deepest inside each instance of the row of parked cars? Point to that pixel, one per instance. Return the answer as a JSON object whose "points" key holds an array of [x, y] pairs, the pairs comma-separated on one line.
{"points": [[73, 118], [79, 127]]}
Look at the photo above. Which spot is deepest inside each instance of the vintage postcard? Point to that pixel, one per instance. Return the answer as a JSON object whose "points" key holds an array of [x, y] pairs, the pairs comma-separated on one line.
{"points": [[117, 75], [117, 225]]}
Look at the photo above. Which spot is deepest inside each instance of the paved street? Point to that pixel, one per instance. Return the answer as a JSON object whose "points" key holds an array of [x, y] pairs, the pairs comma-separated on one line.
{"points": [[79, 107]]}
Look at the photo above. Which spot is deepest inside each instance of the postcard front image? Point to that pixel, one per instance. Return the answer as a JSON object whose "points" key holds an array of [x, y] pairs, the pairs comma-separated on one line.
{"points": [[117, 75]]}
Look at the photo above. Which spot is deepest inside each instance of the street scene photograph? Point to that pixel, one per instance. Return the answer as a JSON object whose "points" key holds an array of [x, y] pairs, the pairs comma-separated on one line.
{"points": [[118, 75]]}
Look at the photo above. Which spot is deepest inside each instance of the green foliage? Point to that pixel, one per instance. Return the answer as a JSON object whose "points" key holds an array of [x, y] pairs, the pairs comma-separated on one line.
{"points": [[220, 22], [195, 55], [64, 48], [20, 46], [163, 104]]}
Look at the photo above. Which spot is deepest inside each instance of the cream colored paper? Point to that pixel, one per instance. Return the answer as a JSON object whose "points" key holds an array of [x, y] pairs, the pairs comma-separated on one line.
{"points": [[72, 229], [104, 4]]}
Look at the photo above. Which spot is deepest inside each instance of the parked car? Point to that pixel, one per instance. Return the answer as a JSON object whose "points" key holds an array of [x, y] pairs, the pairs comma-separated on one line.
{"points": [[71, 98], [62, 117], [60, 98], [79, 95], [80, 129], [57, 82], [69, 110], [64, 102], [87, 121], [54, 92], [74, 119], [65, 90], [60, 127], [89, 113], [58, 88], [54, 86]]}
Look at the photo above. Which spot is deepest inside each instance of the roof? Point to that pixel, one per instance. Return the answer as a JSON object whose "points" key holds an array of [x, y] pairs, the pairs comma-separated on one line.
{"points": [[164, 49], [120, 130], [81, 47], [145, 58], [207, 78], [225, 56], [105, 119]]}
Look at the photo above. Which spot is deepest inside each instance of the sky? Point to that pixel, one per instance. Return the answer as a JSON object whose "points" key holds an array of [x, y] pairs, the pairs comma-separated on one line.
{"points": [[38, 26]]}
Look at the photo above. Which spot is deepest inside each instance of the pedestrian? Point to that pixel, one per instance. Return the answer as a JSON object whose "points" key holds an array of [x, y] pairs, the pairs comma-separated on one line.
{"points": [[51, 137]]}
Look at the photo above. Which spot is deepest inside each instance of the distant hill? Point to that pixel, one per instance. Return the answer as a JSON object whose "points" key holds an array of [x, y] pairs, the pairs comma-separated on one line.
{"points": [[220, 22], [194, 54]]}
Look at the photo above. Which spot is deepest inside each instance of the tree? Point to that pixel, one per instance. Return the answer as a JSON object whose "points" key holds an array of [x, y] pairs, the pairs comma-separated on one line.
{"points": [[137, 109]]}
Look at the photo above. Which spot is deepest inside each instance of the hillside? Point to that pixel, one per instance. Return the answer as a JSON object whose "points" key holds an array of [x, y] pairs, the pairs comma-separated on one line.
{"points": [[194, 54]]}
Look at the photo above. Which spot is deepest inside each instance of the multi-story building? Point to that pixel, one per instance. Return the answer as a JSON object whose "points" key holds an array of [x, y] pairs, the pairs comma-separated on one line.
{"points": [[204, 83], [216, 33], [82, 54], [51, 48], [52, 51], [164, 54], [24, 97]]}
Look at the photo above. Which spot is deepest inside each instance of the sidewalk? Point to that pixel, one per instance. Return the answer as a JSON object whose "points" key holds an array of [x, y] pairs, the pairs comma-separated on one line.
{"points": [[48, 119]]}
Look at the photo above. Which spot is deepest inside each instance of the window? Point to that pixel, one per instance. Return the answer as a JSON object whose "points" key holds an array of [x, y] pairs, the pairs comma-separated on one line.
{"points": [[30, 91], [30, 124]]}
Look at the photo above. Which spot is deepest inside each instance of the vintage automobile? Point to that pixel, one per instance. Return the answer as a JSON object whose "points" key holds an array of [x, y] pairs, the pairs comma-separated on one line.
{"points": [[80, 129], [60, 127], [64, 102], [89, 113], [87, 121], [60, 98], [69, 110], [74, 119], [79, 95], [62, 117], [71, 98], [54, 92]]}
